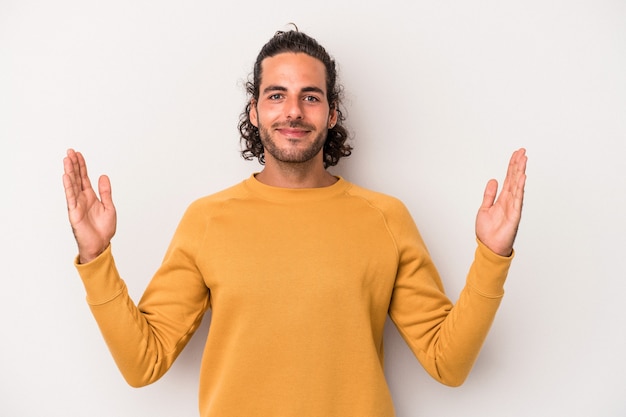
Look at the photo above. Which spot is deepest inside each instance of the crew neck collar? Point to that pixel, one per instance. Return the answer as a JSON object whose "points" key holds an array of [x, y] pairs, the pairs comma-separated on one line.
{"points": [[269, 192]]}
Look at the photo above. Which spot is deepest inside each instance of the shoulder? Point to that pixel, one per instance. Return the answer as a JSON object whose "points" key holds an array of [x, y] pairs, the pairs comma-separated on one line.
{"points": [[386, 203], [236, 191], [395, 214], [210, 203]]}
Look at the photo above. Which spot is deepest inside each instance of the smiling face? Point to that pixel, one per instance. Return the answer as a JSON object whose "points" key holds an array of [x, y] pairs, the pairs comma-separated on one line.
{"points": [[292, 112]]}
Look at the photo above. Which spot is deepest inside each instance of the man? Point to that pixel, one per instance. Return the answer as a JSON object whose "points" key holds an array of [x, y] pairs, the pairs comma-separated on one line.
{"points": [[299, 267]]}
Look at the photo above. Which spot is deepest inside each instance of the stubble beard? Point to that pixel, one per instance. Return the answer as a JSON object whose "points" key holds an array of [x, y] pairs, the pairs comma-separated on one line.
{"points": [[293, 156]]}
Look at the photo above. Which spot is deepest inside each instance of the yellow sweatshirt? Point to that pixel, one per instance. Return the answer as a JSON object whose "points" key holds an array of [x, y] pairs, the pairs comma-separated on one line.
{"points": [[300, 282]]}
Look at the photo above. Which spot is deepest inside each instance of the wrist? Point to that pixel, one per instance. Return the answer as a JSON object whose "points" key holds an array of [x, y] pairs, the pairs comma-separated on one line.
{"points": [[84, 257]]}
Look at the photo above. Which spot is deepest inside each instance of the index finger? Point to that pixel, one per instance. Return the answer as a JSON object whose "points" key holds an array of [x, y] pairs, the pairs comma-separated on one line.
{"points": [[516, 170], [78, 170]]}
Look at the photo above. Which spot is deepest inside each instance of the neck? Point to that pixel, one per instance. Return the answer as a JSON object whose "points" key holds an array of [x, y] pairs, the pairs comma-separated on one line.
{"points": [[295, 175]]}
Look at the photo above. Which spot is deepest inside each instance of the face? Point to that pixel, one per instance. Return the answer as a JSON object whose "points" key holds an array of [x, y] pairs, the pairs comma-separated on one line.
{"points": [[292, 112]]}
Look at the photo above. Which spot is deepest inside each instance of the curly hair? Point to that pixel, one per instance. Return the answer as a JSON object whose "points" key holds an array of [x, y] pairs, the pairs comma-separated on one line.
{"points": [[335, 146]]}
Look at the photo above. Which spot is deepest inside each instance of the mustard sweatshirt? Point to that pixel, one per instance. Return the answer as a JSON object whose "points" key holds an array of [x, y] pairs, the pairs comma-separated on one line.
{"points": [[300, 282]]}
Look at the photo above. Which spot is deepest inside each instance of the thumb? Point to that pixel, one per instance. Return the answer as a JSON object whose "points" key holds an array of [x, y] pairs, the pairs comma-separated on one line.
{"points": [[104, 189], [489, 196]]}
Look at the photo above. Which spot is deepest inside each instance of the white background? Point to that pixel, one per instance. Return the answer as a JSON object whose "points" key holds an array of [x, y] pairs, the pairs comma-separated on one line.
{"points": [[438, 95]]}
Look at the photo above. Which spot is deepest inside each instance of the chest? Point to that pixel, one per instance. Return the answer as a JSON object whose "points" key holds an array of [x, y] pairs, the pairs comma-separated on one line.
{"points": [[300, 255]]}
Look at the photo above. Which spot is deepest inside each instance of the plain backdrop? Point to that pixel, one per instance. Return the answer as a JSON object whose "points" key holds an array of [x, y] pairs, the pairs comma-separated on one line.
{"points": [[438, 95]]}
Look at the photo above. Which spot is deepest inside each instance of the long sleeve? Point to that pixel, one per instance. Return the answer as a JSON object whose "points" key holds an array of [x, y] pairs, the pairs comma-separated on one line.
{"points": [[446, 338], [145, 339]]}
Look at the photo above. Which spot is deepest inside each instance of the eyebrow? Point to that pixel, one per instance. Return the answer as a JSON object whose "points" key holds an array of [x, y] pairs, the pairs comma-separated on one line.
{"points": [[311, 89]]}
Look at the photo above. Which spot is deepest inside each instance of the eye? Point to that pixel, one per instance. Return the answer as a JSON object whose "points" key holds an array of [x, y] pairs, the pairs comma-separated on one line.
{"points": [[275, 96], [311, 99]]}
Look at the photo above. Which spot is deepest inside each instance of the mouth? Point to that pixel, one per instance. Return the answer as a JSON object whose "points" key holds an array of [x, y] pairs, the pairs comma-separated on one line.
{"points": [[292, 132]]}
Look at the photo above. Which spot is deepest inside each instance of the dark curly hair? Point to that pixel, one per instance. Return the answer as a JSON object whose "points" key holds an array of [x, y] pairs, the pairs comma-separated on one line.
{"points": [[335, 146]]}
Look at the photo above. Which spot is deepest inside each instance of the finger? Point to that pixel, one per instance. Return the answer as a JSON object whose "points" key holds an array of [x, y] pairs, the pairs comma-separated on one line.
{"points": [[104, 189], [516, 169], [515, 182], [71, 179], [489, 196], [70, 165], [82, 171], [510, 178], [68, 185], [520, 186], [77, 170], [523, 160], [519, 174]]}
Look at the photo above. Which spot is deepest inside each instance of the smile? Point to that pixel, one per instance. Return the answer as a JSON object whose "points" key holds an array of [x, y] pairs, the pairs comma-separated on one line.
{"points": [[293, 133]]}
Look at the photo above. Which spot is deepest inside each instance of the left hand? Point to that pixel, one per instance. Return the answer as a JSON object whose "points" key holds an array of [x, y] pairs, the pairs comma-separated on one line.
{"points": [[498, 219]]}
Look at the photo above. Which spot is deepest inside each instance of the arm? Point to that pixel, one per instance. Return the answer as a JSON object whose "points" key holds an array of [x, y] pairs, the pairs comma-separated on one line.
{"points": [[144, 340], [447, 338]]}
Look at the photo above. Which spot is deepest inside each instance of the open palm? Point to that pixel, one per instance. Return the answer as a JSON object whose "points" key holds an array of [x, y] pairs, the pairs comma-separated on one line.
{"points": [[93, 220], [498, 219]]}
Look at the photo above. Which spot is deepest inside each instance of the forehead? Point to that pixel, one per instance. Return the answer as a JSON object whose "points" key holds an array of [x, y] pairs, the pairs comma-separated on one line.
{"points": [[293, 69]]}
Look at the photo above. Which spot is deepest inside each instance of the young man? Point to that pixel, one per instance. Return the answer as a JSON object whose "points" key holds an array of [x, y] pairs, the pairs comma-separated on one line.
{"points": [[299, 267]]}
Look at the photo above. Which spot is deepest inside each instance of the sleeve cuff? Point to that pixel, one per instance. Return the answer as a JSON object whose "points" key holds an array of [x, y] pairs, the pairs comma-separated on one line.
{"points": [[489, 271], [100, 278]]}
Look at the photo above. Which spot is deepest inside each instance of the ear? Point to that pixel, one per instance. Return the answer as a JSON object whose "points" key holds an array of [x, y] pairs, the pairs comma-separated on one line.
{"points": [[252, 114], [333, 116]]}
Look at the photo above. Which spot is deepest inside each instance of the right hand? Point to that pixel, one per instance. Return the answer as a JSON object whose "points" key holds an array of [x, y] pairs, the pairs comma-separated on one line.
{"points": [[93, 220]]}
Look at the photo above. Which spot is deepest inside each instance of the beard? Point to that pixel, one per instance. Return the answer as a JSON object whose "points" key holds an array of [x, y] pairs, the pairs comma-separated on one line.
{"points": [[289, 154]]}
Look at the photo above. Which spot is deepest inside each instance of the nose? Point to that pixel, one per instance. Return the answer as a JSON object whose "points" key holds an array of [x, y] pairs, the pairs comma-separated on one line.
{"points": [[293, 108]]}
